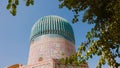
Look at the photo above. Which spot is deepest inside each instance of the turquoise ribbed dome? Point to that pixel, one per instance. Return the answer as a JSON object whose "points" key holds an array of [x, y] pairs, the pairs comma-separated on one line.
{"points": [[52, 25]]}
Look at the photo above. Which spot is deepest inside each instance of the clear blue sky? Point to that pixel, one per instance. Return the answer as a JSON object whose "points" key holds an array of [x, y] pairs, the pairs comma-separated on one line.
{"points": [[15, 30]]}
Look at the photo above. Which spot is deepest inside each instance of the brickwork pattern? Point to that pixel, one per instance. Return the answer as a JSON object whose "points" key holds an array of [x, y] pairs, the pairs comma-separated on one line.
{"points": [[50, 47]]}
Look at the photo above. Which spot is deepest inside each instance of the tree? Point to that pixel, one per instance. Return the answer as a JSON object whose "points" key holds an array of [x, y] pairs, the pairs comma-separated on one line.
{"points": [[12, 5], [104, 38]]}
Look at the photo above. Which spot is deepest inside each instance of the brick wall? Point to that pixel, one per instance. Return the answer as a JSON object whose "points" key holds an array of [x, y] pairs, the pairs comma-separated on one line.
{"points": [[46, 47]]}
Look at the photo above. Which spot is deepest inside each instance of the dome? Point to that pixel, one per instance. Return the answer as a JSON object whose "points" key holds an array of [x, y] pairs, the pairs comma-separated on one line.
{"points": [[52, 25]]}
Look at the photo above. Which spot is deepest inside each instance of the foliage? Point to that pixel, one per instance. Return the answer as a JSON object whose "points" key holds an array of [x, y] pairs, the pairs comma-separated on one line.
{"points": [[104, 38], [73, 59], [12, 5]]}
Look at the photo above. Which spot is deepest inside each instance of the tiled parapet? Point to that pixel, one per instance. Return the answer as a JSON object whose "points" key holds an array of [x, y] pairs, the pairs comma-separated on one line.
{"points": [[49, 46]]}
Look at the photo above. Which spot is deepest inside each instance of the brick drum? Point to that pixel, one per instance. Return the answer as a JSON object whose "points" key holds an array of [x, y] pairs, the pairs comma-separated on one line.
{"points": [[47, 47]]}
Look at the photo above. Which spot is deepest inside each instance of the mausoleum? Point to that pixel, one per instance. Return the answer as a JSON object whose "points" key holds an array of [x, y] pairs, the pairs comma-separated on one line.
{"points": [[51, 39]]}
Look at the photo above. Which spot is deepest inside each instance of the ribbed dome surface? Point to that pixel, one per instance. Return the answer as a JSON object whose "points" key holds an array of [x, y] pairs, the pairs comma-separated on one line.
{"points": [[52, 25]]}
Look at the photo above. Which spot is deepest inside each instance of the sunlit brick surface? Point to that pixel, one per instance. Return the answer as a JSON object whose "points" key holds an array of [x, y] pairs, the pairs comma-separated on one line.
{"points": [[46, 47]]}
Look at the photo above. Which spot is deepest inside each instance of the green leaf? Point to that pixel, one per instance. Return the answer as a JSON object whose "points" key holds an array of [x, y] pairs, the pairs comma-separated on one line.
{"points": [[90, 56], [28, 3], [13, 6], [10, 1], [12, 13], [32, 2], [17, 2], [8, 6]]}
